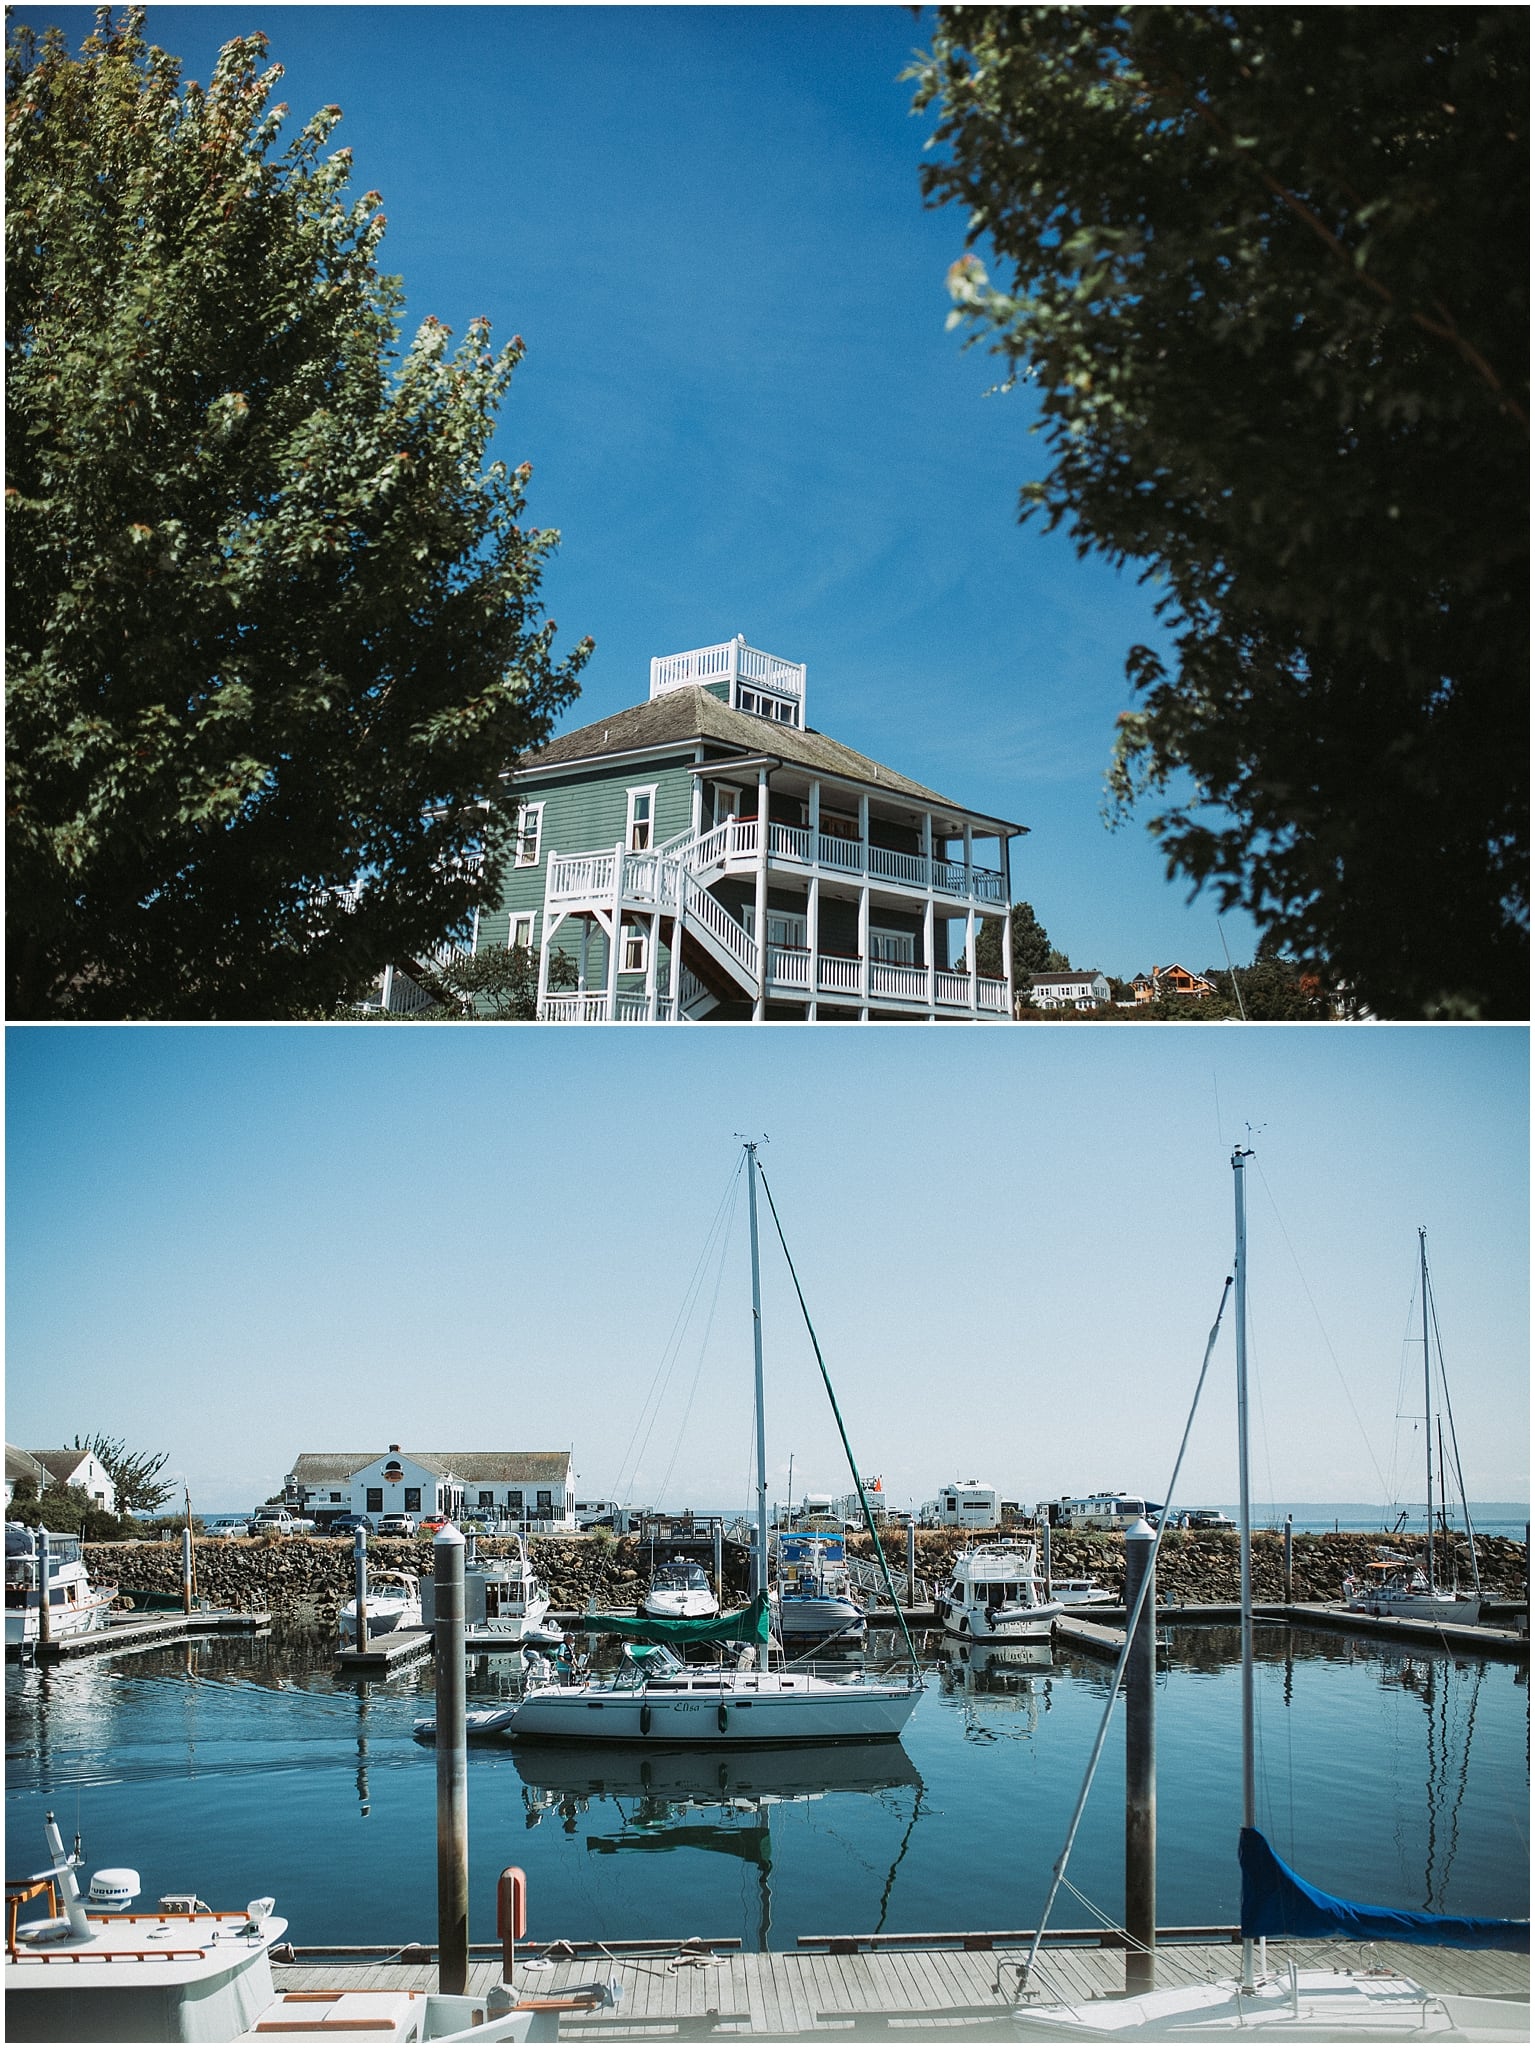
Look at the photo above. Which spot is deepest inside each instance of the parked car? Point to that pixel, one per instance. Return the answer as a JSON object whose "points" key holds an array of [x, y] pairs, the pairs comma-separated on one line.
{"points": [[348, 1525], [397, 1525], [430, 1524], [226, 1525], [278, 1522]]}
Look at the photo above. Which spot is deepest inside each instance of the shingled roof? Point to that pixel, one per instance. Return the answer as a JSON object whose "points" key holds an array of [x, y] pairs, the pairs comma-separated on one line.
{"points": [[691, 715], [313, 1469]]}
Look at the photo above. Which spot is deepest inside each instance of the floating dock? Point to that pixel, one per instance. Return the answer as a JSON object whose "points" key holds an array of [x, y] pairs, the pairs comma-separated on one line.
{"points": [[860, 1987], [387, 1652], [1490, 1641], [147, 1631]]}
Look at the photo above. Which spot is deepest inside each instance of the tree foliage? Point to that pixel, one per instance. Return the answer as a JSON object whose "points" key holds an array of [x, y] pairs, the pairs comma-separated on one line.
{"points": [[134, 1474], [497, 984], [1031, 949], [1266, 268], [273, 630]]}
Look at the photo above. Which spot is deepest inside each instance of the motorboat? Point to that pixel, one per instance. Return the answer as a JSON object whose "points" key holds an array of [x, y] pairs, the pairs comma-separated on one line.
{"points": [[75, 1606], [1397, 1586], [180, 1973], [993, 1596], [813, 1594], [1291, 2003], [1082, 1593], [505, 1600], [393, 1603], [679, 1591]]}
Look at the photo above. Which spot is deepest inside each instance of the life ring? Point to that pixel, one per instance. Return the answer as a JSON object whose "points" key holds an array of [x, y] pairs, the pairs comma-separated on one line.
{"points": [[724, 1717], [645, 1718]]}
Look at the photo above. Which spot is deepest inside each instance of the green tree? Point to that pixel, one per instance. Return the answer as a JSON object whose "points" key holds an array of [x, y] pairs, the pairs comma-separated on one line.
{"points": [[499, 983], [273, 630], [1032, 952], [134, 1474], [1266, 269]]}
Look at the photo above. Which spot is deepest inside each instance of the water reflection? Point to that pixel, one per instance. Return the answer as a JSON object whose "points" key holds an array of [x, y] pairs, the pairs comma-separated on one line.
{"points": [[1000, 1690], [643, 1803]]}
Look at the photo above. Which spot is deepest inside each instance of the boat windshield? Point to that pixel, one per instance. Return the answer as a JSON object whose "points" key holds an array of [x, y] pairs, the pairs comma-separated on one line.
{"points": [[681, 1578], [21, 1542]]}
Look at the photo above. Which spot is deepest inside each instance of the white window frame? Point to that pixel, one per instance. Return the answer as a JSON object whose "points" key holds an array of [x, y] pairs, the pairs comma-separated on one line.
{"points": [[530, 833], [907, 941], [724, 809], [792, 919], [635, 938], [645, 789], [522, 921]]}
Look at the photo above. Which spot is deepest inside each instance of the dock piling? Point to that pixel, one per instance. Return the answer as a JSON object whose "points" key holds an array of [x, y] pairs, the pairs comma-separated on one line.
{"points": [[911, 1564], [1141, 1765], [44, 1591], [186, 1571], [1289, 1566], [360, 1582], [452, 1746], [1044, 1530]]}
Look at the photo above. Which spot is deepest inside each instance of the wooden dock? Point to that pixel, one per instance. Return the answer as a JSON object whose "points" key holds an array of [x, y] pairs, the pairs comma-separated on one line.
{"points": [[148, 1631], [921, 1987], [1105, 1635], [387, 1652]]}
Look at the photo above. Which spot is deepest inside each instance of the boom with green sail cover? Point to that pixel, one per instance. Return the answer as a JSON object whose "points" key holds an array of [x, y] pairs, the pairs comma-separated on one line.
{"points": [[750, 1624]]}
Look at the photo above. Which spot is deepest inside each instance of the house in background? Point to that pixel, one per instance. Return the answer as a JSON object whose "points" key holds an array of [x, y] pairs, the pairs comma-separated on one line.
{"points": [[63, 1468], [535, 1488], [1170, 981], [709, 854], [1069, 990]]}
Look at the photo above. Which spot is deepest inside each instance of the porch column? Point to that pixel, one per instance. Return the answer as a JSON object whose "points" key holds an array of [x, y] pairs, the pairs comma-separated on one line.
{"points": [[388, 989], [813, 915], [697, 812], [759, 1007], [927, 849], [543, 943], [969, 851], [586, 940], [651, 963], [814, 822], [615, 944], [674, 976], [927, 954], [971, 928], [863, 947], [1007, 922]]}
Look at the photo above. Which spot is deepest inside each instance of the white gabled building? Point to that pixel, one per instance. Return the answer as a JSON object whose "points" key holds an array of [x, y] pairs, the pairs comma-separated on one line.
{"points": [[74, 1468], [1069, 990], [532, 1487]]}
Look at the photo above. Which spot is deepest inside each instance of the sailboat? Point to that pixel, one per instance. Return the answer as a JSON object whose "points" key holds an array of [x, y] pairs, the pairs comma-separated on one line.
{"points": [[1278, 1904], [1394, 1585], [656, 1698]]}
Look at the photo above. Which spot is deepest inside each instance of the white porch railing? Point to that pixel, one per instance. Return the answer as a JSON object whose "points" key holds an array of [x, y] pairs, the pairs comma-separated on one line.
{"points": [[953, 988], [730, 661], [845, 855], [991, 995], [839, 976], [788, 842], [580, 876], [788, 966], [908, 983], [708, 911], [593, 1009], [898, 867]]}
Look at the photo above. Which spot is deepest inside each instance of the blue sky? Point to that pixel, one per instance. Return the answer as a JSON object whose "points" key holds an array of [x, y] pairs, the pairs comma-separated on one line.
{"points": [[236, 1244], [742, 406]]}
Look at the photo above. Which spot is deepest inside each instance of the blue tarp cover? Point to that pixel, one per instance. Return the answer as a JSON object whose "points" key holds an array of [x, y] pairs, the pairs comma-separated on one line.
{"points": [[1277, 1904]]}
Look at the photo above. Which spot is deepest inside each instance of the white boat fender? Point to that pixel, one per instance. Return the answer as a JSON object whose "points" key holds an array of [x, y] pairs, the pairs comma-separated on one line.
{"points": [[114, 1889]]}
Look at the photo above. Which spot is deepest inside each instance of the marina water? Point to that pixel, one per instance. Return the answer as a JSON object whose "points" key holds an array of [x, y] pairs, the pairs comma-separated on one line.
{"points": [[242, 1766]]}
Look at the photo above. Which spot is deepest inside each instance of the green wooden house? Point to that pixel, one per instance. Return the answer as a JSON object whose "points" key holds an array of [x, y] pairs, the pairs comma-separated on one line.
{"points": [[707, 854]]}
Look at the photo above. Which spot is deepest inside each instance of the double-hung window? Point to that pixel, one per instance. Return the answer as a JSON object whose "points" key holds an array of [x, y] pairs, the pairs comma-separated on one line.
{"points": [[639, 830], [522, 932], [530, 830], [635, 955], [783, 928], [896, 949]]}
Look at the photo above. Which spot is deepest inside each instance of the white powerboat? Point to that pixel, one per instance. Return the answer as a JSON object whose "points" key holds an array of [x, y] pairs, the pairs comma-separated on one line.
{"points": [[1082, 1593], [679, 1591], [1341, 2004], [181, 1973], [813, 1593], [75, 1606], [393, 1603], [993, 1595], [505, 1600]]}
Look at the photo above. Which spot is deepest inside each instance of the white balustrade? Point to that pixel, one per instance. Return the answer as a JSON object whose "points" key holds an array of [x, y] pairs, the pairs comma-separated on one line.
{"points": [[898, 867], [788, 842], [743, 838], [954, 988], [582, 1009], [581, 876], [846, 855], [909, 983], [839, 976], [991, 995], [708, 911], [789, 966]]}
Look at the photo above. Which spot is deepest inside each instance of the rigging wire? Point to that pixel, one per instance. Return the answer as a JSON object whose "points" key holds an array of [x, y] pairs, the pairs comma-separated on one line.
{"points": [[1321, 1326], [1444, 1387], [703, 1349], [863, 1502], [650, 1408], [1132, 1622]]}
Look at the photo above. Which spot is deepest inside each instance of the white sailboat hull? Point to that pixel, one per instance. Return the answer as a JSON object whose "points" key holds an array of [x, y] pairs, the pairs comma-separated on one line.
{"points": [[1317, 2005], [1417, 1606], [716, 1712]]}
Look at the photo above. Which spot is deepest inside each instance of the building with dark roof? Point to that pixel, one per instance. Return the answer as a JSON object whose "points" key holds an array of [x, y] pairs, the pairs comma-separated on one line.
{"points": [[532, 1487], [709, 854]]}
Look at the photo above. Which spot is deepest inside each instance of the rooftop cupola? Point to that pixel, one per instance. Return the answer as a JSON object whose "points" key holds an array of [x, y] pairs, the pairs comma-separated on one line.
{"points": [[743, 677]]}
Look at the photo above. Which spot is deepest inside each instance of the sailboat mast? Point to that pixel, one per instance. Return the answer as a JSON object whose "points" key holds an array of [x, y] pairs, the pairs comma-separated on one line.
{"points": [[1239, 1160], [751, 1210], [1428, 1432]]}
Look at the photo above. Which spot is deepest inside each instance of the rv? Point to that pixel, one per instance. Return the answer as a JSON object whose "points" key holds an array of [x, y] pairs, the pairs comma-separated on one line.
{"points": [[1092, 1511], [966, 1505]]}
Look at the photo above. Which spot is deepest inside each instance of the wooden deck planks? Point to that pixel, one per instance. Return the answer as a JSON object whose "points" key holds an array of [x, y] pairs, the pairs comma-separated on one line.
{"points": [[792, 1994]]}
